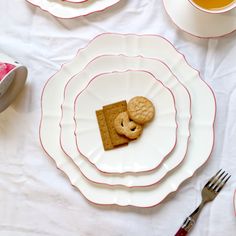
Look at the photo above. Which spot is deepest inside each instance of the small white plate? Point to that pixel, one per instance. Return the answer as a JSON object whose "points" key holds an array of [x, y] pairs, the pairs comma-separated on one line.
{"points": [[198, 23], [158, 138], [202, 125], [64, 9], [109, 63]]}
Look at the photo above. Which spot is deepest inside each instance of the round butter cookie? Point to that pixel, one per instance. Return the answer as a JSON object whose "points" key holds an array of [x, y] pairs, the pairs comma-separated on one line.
{"points": [[140, 110]]}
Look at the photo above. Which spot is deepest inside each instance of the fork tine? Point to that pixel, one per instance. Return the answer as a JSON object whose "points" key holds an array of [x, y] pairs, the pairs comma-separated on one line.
{"points": [[222, 184], [215, 179], [219, 181], [212, 178]]}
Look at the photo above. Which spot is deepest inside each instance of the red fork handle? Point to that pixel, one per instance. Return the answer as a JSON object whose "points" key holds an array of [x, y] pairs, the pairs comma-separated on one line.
{"points": [[181, 232]]}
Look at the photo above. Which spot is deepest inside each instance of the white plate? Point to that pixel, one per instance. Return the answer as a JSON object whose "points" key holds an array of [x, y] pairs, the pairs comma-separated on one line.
{"points": [[198, 23], [202, 130], [107, 64], [63, 9], [158, 138]]}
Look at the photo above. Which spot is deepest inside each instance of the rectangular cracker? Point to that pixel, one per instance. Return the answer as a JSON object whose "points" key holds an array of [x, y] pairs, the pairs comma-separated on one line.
{"points": [[104, 132], [111, 112]]}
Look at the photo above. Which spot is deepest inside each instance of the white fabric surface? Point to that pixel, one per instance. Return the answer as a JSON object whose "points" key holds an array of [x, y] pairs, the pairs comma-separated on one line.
{"points": [[35, 197]]}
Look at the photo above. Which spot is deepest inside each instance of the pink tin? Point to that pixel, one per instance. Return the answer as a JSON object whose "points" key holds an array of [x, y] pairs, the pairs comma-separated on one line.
{"points": [[12, 79]]}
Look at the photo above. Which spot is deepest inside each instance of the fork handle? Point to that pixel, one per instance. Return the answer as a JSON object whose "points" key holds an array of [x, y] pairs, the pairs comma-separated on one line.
{"points": [[181, 232], [185, 228], [190, 221]]}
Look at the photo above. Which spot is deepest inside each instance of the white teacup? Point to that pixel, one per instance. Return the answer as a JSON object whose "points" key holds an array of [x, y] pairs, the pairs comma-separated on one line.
{"points": [[216, 11], [12, 79]]}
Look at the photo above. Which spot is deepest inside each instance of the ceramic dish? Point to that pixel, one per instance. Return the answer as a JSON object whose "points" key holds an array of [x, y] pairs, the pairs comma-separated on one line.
{"points": [[158, 138], [202, 131], [63, 9], [108, 63], [198, 23]]}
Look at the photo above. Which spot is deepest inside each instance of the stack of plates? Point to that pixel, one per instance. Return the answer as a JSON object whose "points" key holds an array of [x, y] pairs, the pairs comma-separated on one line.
{"points": [[73, 8], [116, 67]]}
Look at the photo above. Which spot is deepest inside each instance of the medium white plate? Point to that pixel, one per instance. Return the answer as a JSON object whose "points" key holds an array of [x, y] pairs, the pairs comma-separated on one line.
{"points": [[202, 130], [107, 64], [64, 9], [198, 23], [158, 138]]}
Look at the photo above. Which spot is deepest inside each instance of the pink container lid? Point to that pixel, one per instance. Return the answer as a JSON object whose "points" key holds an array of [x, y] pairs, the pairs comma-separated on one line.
{"points": [[5, 68]]}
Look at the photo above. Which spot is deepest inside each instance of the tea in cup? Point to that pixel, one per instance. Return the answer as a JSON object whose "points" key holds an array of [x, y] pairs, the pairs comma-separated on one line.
{"points": [[214, 6]]}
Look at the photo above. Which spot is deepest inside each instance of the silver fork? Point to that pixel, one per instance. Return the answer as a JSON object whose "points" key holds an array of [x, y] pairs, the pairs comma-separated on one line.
{"points": [[209, 192]]}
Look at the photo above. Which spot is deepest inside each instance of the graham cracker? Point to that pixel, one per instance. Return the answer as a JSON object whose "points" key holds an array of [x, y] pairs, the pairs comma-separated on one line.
{"points": [[111, 111], [104, 132]]}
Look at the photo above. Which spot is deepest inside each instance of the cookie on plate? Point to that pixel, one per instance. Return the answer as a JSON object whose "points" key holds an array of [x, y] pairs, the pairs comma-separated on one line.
{"points": [[141, 110], [127, 127]]}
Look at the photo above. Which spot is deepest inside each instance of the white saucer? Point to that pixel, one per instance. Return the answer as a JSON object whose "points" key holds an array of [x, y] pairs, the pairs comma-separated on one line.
{"points": [[198, 23], [158, 138], [66, 10]]}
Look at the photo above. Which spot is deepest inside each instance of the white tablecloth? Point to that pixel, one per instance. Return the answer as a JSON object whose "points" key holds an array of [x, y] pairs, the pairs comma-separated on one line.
{"points": [[35, 197]]}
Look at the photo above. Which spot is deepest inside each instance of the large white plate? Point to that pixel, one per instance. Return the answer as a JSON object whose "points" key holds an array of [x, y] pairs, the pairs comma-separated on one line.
{"points": [[108, 63], [158, 138], [203, 108], [65, 9], [198, 23]]}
